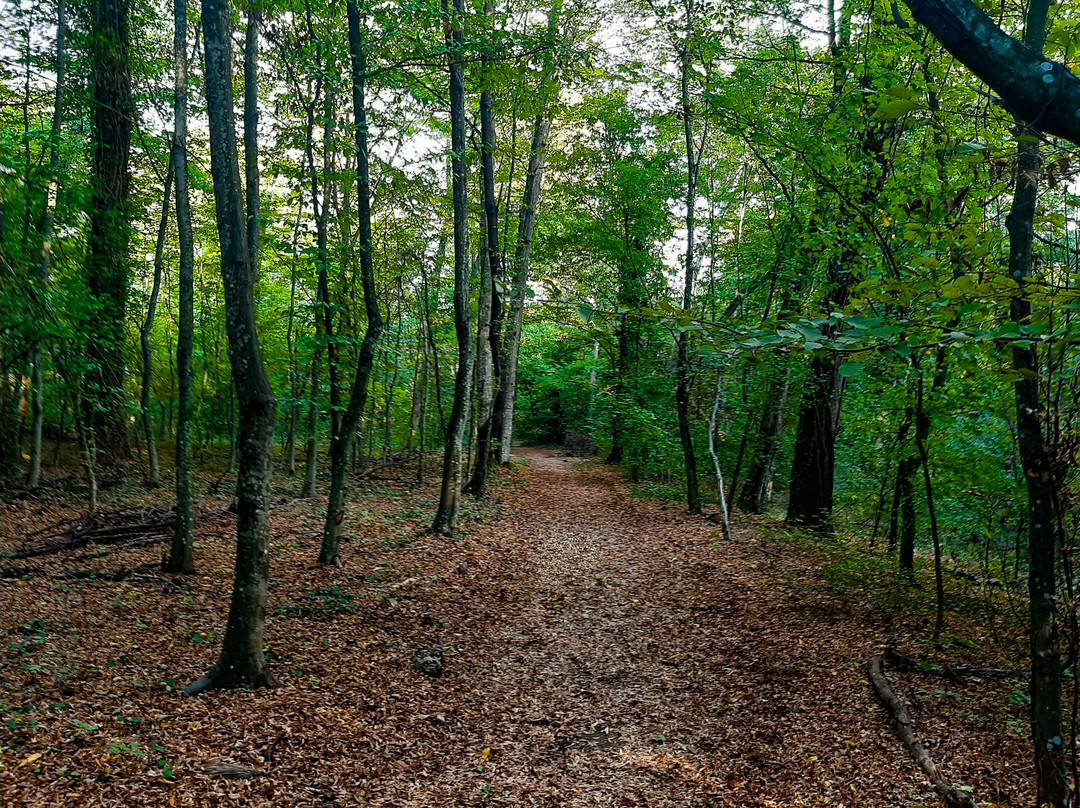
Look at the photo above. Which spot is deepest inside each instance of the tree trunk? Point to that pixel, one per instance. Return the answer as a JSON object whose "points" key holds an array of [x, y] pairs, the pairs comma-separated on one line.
{"points": [[683, 371], [107, 245], [37, 379], [530, 202], [312, 449], [924, 456], [449, 497], [814, 463], [493, 396], [725, 522], [757, 491], [181, 555], [153, 469], [342, 439], [1035, 457], [242, 662]]}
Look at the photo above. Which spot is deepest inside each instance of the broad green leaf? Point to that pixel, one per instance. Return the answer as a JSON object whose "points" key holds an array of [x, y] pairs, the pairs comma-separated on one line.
{"points": [[892, 110]]}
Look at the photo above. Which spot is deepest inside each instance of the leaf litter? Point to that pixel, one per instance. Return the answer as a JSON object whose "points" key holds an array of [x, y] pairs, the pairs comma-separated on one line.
{"points": [[599, 649]]}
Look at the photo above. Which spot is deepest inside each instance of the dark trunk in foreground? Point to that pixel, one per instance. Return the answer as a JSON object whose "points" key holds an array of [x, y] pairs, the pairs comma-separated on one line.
{"points": [[242, 662], [1046, 728], [181, 555], [446, 516]]}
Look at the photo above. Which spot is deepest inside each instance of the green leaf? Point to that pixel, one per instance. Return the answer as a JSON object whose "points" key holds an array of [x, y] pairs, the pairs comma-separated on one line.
{"points": [[850, 370], [968, 148], [902, 91], [894, 109]]}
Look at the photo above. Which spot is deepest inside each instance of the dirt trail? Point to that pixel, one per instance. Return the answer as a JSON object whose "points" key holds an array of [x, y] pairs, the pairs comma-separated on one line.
{"points": [[650, 665], [602, 650]]}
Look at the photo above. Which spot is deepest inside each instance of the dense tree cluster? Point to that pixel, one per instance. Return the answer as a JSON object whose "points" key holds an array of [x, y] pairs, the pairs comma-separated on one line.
{"points": [[808, 251]]}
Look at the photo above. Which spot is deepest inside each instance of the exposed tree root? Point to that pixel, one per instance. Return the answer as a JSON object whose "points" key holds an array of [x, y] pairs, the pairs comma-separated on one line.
{"points": [[950, 794]]}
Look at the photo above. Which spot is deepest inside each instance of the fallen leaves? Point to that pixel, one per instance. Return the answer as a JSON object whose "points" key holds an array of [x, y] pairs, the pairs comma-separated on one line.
{"points": [[599, 649]]}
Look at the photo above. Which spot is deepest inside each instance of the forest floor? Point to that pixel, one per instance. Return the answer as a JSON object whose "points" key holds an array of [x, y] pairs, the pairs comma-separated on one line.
{"points": [[601, 649]]}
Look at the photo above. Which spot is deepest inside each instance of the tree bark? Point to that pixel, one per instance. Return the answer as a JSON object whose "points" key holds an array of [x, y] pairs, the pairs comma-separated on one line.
{"points": [[449, 497], [757, 491], [341, 440], [495, 400], [181, 558], [1017, 71], [242, 662], [814, 463], [725, 522], [530, 202], [145, 398], [37, 378], [107, 246], [683, 370]]}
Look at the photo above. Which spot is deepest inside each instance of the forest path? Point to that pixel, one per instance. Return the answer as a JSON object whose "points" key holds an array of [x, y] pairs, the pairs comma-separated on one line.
{"points": [[601, 650], [649, 664]]}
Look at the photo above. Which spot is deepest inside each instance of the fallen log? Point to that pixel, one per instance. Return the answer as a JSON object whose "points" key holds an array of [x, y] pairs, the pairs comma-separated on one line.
{"points": [[904, 727]]}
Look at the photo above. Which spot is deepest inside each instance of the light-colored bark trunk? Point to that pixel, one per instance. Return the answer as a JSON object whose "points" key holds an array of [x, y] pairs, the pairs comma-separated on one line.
{"points": [[146, 393], [37, 376], [725, 522]]}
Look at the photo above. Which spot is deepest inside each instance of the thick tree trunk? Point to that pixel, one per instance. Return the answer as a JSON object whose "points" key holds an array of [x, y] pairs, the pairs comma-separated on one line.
{"points": [[107, 245], [342, 439], [449, 497], [242, 662], [1046, 97], [37, 378], [814, 462], [181, 555]]}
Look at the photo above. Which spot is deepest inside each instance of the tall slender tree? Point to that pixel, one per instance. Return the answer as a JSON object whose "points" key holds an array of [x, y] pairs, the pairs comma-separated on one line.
{"points": [[48, 222], [341, 440], [449, 497], [491, 327], [242, 662], [181, 555]]}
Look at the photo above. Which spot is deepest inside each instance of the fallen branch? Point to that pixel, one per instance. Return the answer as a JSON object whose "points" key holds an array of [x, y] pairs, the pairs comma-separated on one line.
{"points": [[950, 794], [902, 662], [219, 768], [132, 528]]}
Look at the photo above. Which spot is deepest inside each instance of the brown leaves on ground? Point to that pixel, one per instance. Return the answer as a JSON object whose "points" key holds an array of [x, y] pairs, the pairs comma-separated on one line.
{"points": [[599, 650]]}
